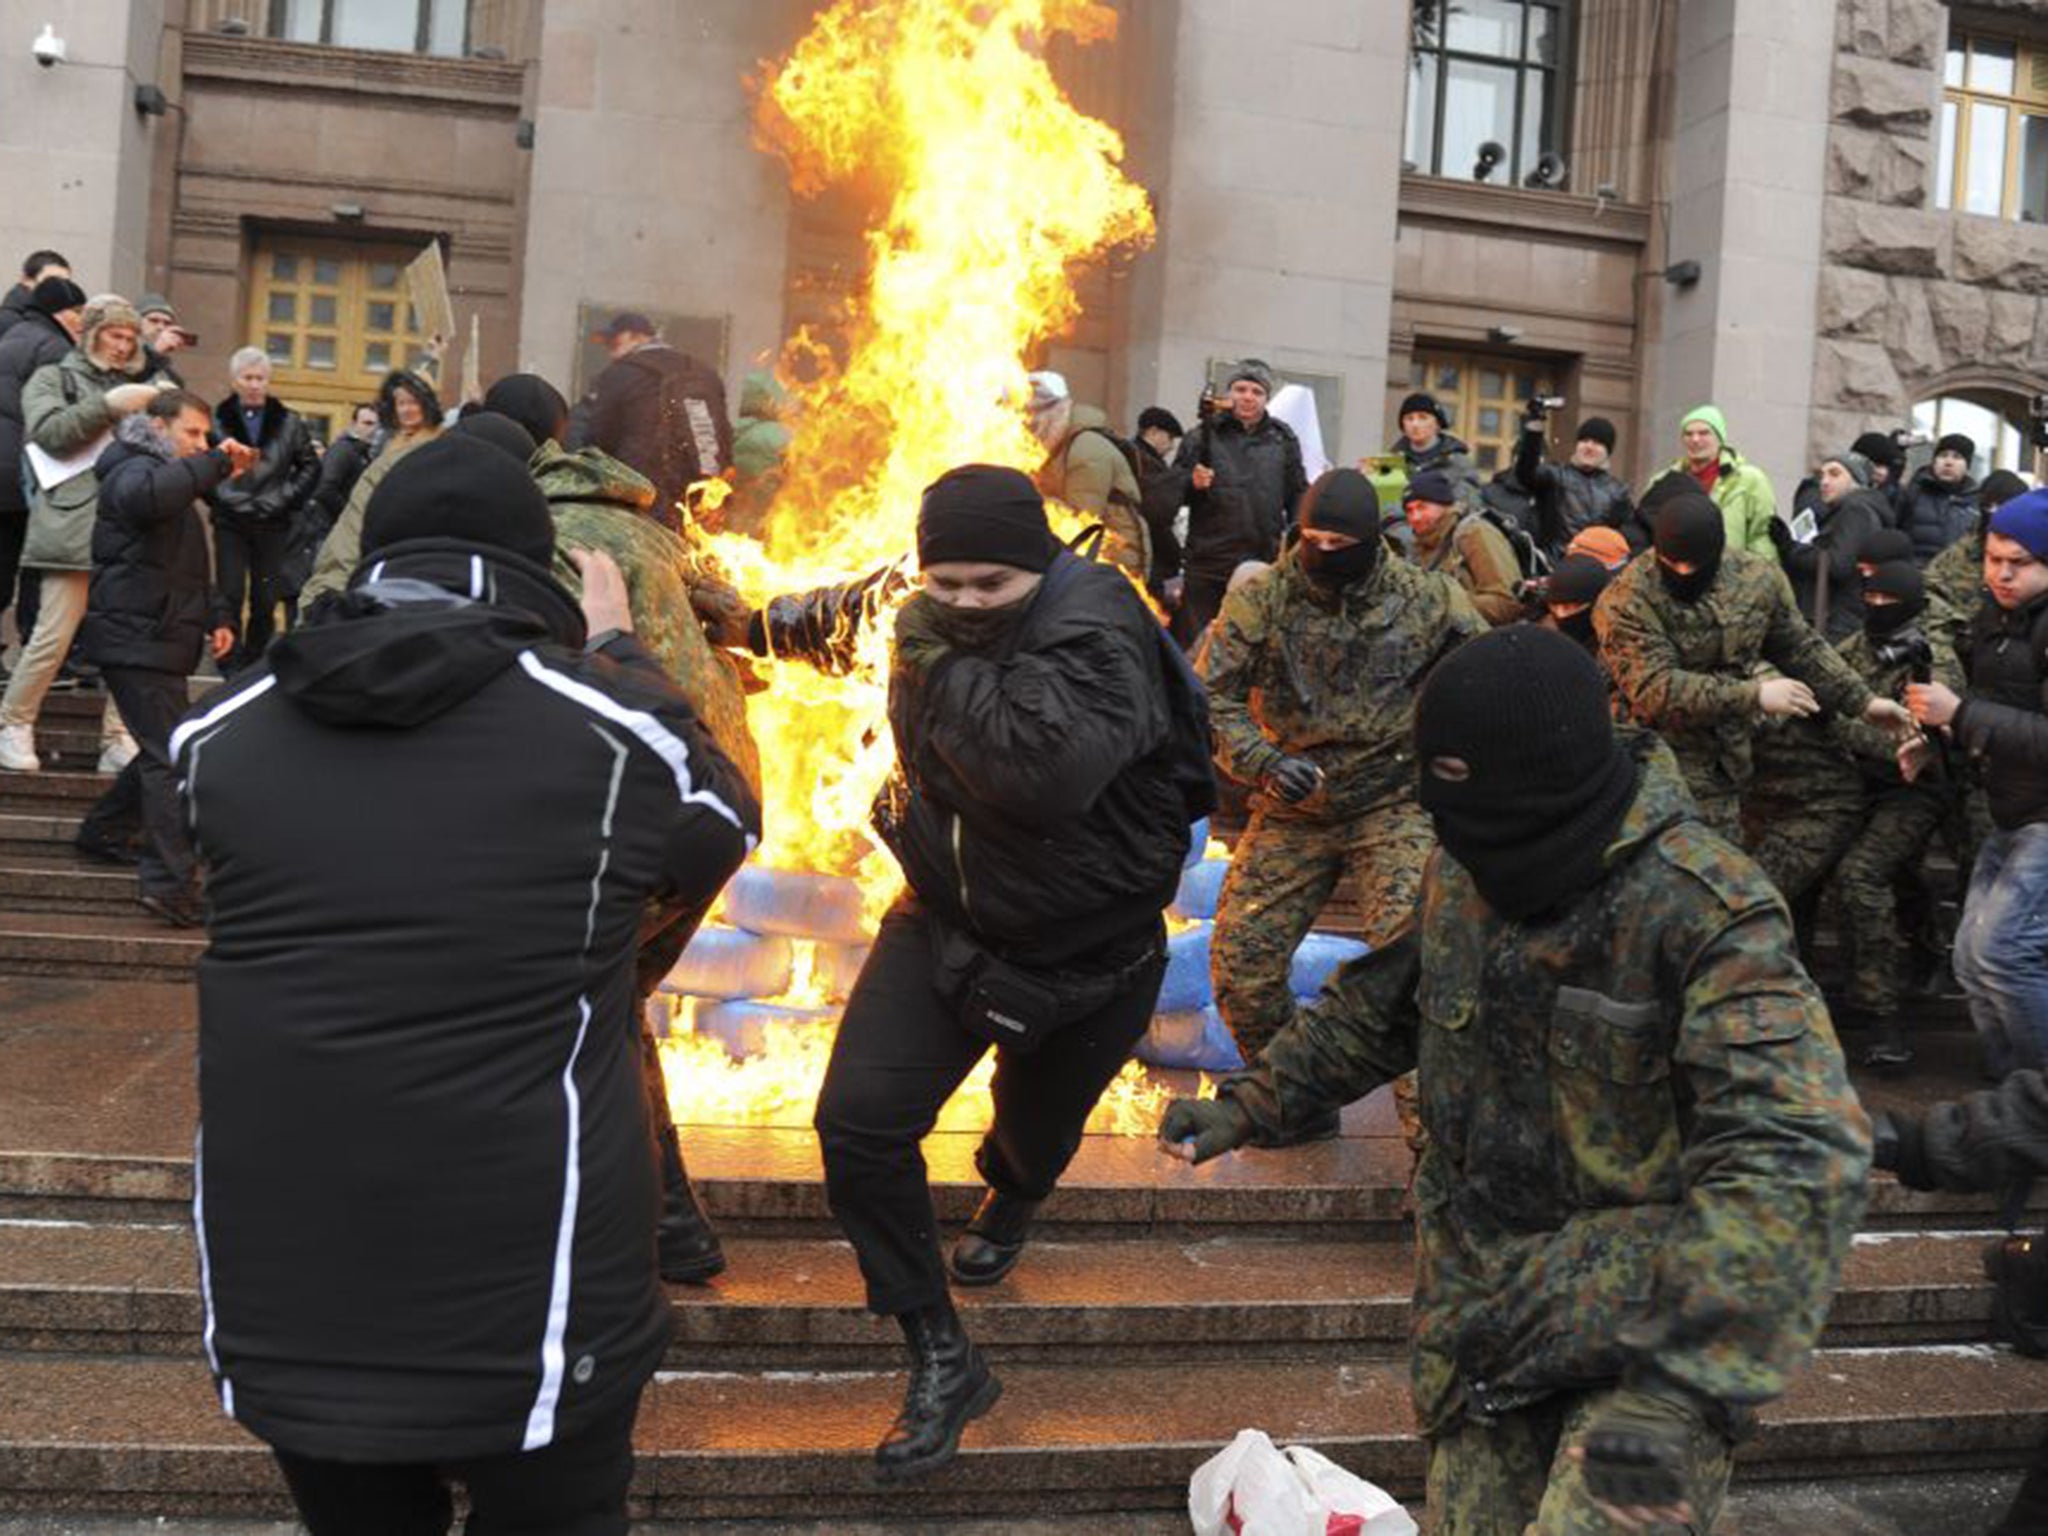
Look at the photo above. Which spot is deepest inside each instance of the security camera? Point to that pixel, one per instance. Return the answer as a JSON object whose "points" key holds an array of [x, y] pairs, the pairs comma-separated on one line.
{"points": [[48, 47]]}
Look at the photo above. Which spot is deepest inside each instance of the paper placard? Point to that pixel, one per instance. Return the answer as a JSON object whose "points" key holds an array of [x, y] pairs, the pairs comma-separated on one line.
{"points": [[426, 280], [50, 470]]}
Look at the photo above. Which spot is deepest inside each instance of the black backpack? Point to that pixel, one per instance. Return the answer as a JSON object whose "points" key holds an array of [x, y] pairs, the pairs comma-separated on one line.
{"points": [[1529, 554]]}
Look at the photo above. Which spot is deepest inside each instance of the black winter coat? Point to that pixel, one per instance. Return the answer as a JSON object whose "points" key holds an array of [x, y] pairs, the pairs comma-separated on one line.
{"points": [[152, 601], [1256, 494], [14, 308], [1842, 531], [663, 413], [346, 459], [1936, 515], [2003, 722], [1569, 500], [35, 341], [1989, 1141], [426, 1192], [1034, 801], [283, 478], [1161, 493]]}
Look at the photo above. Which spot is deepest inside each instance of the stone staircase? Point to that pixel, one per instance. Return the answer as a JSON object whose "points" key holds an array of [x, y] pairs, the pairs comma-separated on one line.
{"points": [[1162, 1308]]}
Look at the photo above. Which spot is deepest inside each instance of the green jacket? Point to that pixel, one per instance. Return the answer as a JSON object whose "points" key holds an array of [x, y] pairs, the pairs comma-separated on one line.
{"points": [[1689, 670], [600, 503], [63, 408], [1477, 556], [1644, 1157], [1748, 503], [342, 549], [1090, 474], [1295, 671]]}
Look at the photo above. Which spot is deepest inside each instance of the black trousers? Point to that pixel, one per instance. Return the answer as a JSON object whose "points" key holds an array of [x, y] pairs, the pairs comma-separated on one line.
{"points": [[898, 1057], [575, 1487], [249, 565], [145, 796]]}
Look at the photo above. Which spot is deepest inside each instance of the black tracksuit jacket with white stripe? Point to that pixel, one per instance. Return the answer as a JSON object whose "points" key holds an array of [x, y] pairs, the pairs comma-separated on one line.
{"points": [[426, 1189]]}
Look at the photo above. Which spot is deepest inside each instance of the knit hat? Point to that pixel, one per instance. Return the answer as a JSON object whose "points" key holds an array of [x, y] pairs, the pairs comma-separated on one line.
{"points": [[1667, 487], [1999, 487], [1342, 501], [1596, 429], [984, 513], [1577, 579], [2024, 520], [1519, 767], [1419, 402], [1886, 544], [156, 304], [1880, 448], [1709, 415], [1957, 442], [1854, 462], [1254, 370], [531, 401], [1159, 416], [1690, 529], [458, 487], [499, 431], [1606, 545], [1432, 485], [54, 295]]}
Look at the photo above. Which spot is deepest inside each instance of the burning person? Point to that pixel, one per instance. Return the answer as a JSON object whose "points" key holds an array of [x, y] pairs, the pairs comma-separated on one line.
{"points": [[1039, 812]]}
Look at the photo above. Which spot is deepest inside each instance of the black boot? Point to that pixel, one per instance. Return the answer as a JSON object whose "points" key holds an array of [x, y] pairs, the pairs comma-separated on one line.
{"points": [[994, 1239], [686, 1248], [949, 1385]]}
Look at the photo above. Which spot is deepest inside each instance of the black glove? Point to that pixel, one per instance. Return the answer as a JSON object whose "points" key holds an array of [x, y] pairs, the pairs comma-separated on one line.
{"points": [[1636, 1451], [1292, 780], [1898, 1143], [1213, 1125]]}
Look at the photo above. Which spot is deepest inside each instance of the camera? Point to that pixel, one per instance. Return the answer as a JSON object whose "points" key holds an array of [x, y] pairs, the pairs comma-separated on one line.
{"points": [[1540, 406], [48, 48], [1908, 648]]}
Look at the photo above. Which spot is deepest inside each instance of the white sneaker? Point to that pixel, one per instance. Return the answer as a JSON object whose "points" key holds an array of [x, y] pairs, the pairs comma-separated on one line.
{"points": [[18, 749], [117, 752]]}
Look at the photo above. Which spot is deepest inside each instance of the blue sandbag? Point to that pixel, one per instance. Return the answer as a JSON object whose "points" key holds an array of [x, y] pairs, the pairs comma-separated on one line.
{"points": [[729, 962], [1198, 839], [1200, 887], [1186, 984], [1194, 1040], [743, 1028], [1318, 958], [796, 903]]}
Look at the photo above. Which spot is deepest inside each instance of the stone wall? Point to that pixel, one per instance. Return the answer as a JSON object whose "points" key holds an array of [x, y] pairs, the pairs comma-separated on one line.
{"points": [[1912, 300]]}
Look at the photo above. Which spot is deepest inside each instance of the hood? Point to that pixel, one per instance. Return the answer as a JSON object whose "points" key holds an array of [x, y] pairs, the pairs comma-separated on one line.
{"points": [[588, 475], [133, 431], [762, 398], [423, 626]]}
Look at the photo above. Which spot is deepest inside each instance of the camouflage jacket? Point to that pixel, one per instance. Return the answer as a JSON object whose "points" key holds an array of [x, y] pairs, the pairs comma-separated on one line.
{"points": [[1644, 1157], [1688, 670], [1875, 752], [1956, 576], [1294, 671], [600, 503]]}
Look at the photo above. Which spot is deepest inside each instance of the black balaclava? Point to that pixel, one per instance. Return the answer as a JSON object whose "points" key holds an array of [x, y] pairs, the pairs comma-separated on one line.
{"points": [[984, 514], [531, 401], [1899, 579], [1577, 579], [1519, 768], [498, 430], [1341, 501], [1690, 528], [465, 489]]}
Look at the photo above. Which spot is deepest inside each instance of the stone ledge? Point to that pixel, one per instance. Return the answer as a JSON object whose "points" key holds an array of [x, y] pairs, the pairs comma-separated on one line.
{"points": [[314, 67]]}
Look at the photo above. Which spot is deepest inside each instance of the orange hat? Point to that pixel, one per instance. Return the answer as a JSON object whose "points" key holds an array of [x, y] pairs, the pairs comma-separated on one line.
{"points": [[1603, 543]]}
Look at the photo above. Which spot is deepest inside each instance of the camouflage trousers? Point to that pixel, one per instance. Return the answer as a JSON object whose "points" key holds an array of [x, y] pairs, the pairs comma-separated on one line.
{"points": [[1892, 843], [1797, 829], [1515, 1476], [1281, 876]]}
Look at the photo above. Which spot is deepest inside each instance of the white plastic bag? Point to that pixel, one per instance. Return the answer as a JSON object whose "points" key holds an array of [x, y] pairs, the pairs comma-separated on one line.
{"points": [[1250, 1488]]}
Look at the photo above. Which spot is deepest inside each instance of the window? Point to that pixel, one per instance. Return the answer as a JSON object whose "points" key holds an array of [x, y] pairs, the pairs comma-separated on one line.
{"points": [[1484, 395], [1994, 129], [1996, 424], [335, 318], [395, 26], [1487, 72]]}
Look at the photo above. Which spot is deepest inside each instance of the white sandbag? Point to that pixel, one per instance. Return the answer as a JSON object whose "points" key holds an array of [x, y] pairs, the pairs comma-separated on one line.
{"points": [[796, 903], [1317, 958], [1194, 1040], [730, 962], [1186, 983], [744, 1028], [1201, 885]]}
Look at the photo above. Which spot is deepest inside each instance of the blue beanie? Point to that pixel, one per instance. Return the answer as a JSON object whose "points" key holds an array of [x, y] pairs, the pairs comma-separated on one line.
{"points": [[2024, 520]]}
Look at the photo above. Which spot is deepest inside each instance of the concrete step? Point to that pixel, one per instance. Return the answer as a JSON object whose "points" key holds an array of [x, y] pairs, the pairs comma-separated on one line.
{"points": [[102, 942], [797, 1303], [36, 834], [53, 790], [147, 1436], [64, 882]]}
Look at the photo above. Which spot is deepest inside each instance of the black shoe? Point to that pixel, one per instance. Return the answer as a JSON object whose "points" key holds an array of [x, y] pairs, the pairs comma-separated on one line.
{"points": [[181, 909], [994, 1239], [104, 850], [949, 1385], [687, 1251]]}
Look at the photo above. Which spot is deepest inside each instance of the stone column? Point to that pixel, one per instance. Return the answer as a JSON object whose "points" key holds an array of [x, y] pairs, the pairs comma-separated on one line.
{"points": [[1748, 180], [1277, 192]]}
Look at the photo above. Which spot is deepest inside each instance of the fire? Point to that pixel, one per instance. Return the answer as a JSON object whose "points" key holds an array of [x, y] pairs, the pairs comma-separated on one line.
{"points": [[992, 186]]}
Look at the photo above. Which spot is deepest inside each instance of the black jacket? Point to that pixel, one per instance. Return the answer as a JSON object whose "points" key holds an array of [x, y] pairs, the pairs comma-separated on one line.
{"points": [[1936, 515], [346, 459], [1256, 494], [426, 1190], [2003, 722], [152, 601], [662, 412], [1990, 1141], [34, 341], [1842, 531], [282, 479], [1034, 800], [1161, 493], [14, 308], [1569, 500]]}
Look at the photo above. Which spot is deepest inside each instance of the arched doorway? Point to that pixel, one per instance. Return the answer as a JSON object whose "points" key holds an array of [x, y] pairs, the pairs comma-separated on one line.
{"points": [[1998, 421]]}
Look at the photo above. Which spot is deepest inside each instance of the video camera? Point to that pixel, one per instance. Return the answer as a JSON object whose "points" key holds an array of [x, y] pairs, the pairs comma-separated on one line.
{"points": [[1211, 406], [1540, 406], [1909, 648]]}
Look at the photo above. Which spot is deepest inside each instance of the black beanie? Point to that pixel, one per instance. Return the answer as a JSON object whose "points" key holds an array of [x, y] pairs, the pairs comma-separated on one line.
{"points": [[499, 431], [1999, 487], [531, 401], [1159, 416], [1880, 448], [1577, 579], [460, 488], [1957, 442], [1342, 501], [54, 295], [1519, 767], [1884, 545], [1667, 486], [984, 513], [1421, 402], [1597, 429]]}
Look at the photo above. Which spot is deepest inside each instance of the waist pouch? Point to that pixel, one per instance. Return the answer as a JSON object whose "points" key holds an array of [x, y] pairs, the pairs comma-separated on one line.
{"points": [[1017, 1006]]}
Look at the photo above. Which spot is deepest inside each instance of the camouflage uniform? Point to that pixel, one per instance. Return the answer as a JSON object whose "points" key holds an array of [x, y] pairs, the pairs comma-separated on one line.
{"points": [[1644, 1159], [1296, 671], [1688, 670], [1802, 808], [1956, 576], [1477, 556]]}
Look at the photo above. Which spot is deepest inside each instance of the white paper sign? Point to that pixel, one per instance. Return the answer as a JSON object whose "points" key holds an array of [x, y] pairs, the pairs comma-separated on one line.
{"points": [[50, 470]]}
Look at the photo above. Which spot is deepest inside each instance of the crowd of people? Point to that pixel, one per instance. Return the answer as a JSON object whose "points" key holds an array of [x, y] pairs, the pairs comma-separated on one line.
{"points": [[1593, 759]]}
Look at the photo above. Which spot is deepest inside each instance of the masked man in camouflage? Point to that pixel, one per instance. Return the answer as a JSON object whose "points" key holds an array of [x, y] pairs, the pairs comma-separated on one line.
{"points": [[1313, 669], [1644, 1160], [1682, 630]]}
